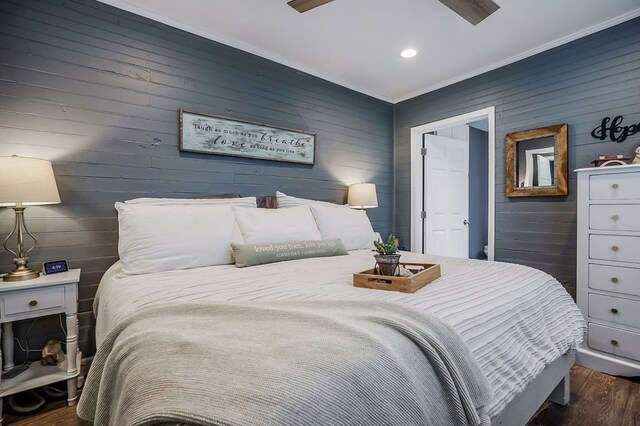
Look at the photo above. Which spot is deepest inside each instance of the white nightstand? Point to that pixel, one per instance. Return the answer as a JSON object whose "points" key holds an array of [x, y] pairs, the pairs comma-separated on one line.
{"points": [[45, 295]]}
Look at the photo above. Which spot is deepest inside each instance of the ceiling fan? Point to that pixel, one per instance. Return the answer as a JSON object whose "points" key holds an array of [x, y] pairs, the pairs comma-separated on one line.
{"points": [[474, 11]]}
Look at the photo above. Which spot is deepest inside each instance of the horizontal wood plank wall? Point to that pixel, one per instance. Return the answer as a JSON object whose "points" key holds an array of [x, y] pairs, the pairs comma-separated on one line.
{"points": [[578, 83], [96, 90]]}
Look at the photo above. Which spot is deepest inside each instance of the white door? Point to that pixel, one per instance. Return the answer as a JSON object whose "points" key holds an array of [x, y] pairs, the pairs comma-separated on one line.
{"points": [[544, 171], [446, 174]]}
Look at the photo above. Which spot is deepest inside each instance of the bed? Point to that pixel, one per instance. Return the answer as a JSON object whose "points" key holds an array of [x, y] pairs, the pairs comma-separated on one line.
{"points": [[519, 323]]}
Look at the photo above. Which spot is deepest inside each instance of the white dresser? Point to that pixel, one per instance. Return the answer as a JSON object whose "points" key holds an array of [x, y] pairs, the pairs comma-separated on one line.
{"points": [[608, 275]]}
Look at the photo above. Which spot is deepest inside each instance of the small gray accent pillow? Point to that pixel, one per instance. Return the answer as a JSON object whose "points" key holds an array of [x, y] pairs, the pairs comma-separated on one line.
{"points": [[259, 254]]}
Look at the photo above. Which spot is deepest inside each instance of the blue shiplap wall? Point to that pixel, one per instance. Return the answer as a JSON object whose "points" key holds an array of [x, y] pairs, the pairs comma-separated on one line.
{"points": [[96, 90], [578, 83]]}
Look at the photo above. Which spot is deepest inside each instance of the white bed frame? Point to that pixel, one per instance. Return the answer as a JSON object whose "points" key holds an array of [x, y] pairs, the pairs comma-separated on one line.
{"points": [[552, 383]]}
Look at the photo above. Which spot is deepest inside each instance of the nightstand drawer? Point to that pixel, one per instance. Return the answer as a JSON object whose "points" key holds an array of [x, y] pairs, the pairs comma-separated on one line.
{"points": [[615, 247], [614, 217], [33, 300], [614, 341], [616, 279], [615, 186], [615, 309]]}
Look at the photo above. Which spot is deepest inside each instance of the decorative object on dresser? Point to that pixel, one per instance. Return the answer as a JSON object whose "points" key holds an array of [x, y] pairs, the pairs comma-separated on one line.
{"points": [[362, 196], [42, 296], [610, 160], [25, 182], [387, 259], [216, 134], [536, 162], [608, 262], [636, 158], [421, 274]]}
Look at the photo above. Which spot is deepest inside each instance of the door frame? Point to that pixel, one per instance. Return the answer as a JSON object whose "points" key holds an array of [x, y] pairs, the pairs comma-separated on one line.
{"points": [[417, 185]]}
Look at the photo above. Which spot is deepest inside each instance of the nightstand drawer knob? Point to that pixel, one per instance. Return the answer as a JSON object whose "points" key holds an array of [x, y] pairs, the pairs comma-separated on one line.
{"points": [[615, 217], [615, 186], [614, 280], [614, 342], [33, 303], [615, 248], [614, 311]]}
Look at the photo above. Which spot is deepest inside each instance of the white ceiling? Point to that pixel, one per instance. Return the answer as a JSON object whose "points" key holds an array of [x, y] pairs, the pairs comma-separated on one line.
{"points": [[356, 43]]}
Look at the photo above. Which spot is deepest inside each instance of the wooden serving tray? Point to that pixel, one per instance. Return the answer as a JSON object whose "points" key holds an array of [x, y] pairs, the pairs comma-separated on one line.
{"points": [[371, 279]]}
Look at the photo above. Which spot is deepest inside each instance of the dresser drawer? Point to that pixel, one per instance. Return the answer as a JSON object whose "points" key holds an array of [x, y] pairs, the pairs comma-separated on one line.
{"points": [[615, 186], [617, 279], [615, 217], [33, 300], [615, 247], [614, 309], [614, 341]]}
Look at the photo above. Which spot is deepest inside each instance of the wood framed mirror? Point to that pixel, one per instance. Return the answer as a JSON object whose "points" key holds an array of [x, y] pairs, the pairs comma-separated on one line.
{"points": [[536, 162]]}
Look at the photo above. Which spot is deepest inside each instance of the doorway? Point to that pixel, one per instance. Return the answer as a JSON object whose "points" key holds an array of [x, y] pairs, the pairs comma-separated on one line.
{"points": [[453, 186]]}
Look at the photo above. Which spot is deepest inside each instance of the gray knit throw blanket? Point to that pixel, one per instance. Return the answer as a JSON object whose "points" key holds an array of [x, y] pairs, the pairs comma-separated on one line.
{"points": [[284, 363]]}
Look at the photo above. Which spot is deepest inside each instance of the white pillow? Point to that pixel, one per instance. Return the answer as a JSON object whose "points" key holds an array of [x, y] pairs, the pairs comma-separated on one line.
{"points": [[286, 201], [155, 238], [238, 202], [351, 226], [277, 225]]}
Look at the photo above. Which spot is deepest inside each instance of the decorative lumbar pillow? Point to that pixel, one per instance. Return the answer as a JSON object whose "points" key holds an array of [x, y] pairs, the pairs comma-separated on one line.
{"points": [[351, 226], [259, 254], [156, 238], [235, 201], [268, 225], [286, 201]]}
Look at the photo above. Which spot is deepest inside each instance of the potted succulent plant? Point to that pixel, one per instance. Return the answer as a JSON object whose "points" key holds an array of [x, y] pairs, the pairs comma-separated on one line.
{"points": [[388, 258]]}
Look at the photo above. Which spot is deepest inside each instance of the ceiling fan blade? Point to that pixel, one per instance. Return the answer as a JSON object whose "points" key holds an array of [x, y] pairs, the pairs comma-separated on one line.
{"points": [[304, 5], [474, 11]]}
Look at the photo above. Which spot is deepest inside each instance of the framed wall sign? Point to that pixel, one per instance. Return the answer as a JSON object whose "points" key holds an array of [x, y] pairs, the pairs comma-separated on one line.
{"points": [[215, 134]]}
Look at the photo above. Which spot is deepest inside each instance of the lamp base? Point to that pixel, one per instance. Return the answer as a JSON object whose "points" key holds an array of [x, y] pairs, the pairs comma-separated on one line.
{"points": [[21, 273]]}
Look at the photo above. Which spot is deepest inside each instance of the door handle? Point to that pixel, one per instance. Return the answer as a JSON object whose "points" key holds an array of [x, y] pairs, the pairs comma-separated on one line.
{"points": [[466, 222]]}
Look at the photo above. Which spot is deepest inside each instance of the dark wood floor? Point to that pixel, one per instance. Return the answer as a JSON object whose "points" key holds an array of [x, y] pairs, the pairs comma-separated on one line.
{"points": [[596, 400]]}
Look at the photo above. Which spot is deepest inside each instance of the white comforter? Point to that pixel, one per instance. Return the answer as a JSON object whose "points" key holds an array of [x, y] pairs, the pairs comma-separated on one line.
{"points": [[515, 319]]}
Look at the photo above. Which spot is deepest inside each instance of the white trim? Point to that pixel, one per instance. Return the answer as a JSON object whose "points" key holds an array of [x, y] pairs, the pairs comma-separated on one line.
{"points": [[531, 52], [417, 185], [131, 7], [210, 35]]}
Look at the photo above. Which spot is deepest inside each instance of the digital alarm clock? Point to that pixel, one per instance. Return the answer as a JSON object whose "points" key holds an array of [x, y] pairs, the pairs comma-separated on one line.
{"points": [[54, 267]]}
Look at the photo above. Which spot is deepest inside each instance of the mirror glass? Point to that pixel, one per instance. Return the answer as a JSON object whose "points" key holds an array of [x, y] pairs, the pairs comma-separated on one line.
{"points": [[536, 159], [536, 162]]}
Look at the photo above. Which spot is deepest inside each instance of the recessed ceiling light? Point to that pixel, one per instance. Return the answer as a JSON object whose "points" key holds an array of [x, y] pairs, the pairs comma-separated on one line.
{"points": [[408, 53]]}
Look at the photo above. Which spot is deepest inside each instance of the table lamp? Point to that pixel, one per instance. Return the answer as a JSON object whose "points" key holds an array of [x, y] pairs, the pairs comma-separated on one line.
{"points": [[25, 182], [362, 196]]}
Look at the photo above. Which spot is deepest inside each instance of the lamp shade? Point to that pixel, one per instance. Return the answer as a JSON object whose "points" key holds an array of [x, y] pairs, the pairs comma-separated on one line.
{"points": [[27, 181], [362, 196]]}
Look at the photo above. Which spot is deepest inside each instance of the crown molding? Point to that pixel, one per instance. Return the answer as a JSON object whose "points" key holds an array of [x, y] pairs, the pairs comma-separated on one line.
{"points": [[542, 48], [172, 22], [210, 35]]}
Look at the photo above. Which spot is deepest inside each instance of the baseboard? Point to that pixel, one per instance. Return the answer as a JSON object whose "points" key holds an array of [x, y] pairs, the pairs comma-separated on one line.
{"points": [[606, 364]]}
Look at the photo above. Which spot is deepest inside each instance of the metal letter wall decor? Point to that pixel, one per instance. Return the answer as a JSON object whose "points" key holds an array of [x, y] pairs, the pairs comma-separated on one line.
{"points": [[614, 130]]}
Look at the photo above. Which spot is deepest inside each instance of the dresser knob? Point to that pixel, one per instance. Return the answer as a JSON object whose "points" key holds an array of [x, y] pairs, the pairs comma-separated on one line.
{"points": [[615, 217], [614, 342], [614, 311], [33, 303], [614, 279], [615, 248], [615, 186]]}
